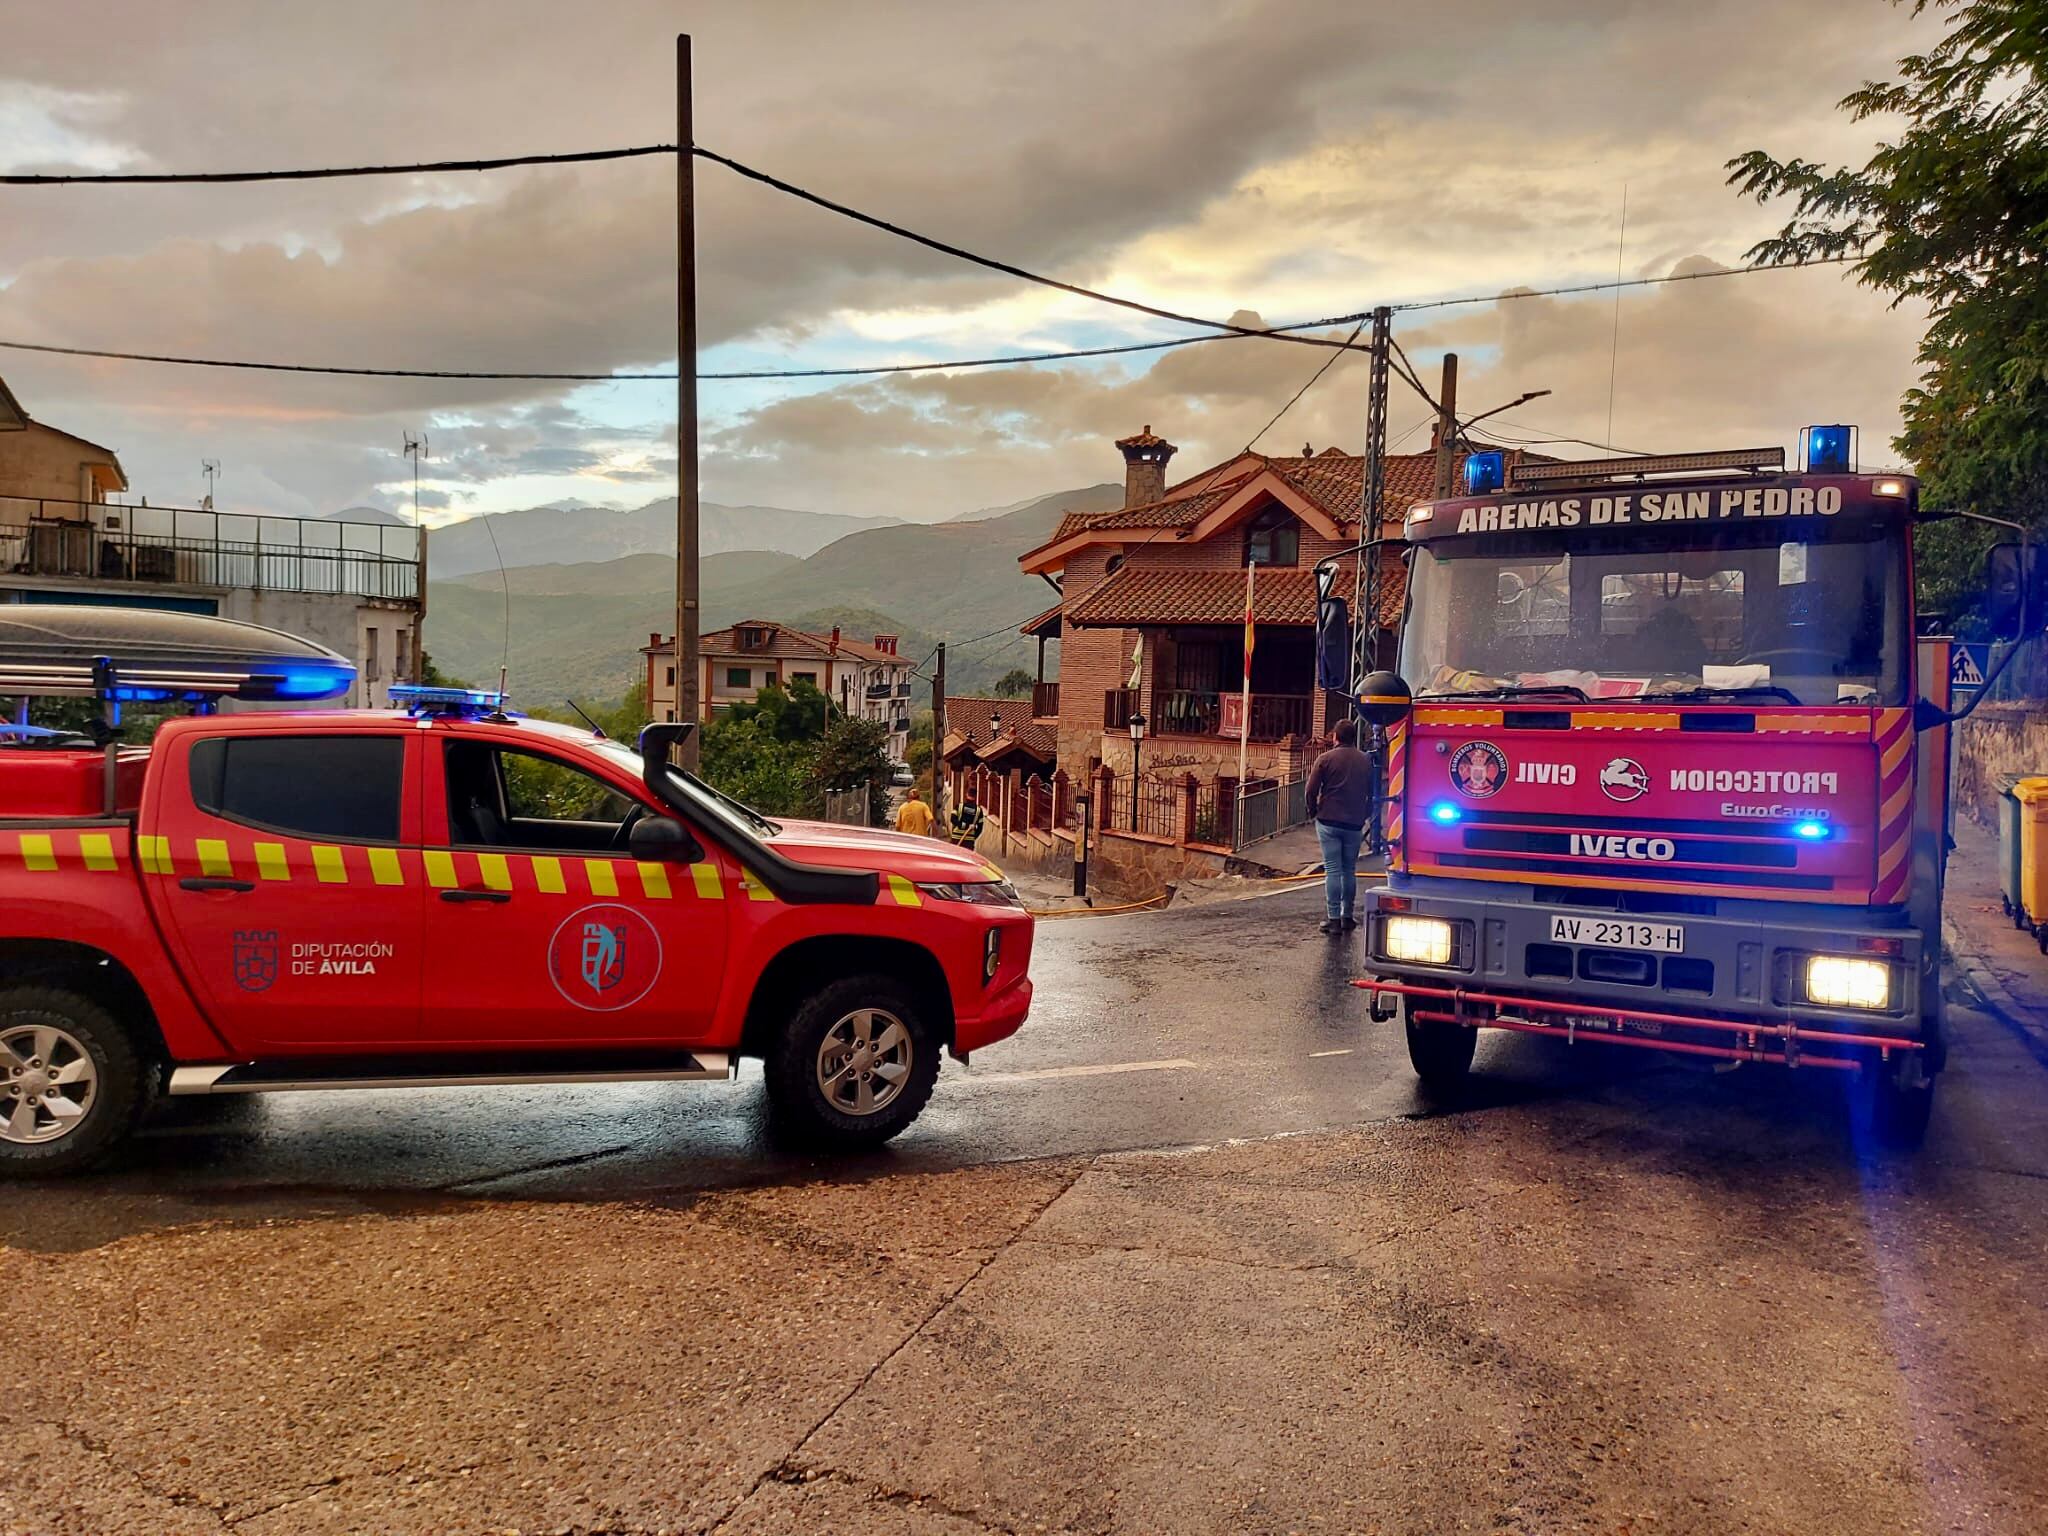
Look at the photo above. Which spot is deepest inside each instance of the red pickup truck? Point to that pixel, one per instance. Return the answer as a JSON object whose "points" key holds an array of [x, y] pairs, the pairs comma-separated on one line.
{"points": [[267, 902]]}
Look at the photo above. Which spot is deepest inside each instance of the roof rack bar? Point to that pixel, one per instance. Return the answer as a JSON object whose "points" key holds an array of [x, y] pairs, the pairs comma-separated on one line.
{"points": [[1576, 471]]}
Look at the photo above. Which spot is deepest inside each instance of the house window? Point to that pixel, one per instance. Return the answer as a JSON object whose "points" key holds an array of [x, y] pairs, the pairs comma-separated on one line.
{"points": [[1274, 538], [738, 677], [804, 677], [671, 677], [372, 673]]}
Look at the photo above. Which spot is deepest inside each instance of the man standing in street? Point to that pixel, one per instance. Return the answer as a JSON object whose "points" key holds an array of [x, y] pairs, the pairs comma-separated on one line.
{"points": [[914, 816], [1339, 797]]}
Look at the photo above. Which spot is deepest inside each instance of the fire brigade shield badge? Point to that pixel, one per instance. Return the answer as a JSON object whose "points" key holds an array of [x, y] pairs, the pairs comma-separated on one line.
{"points": [[255, 959], [604, 957], [1479, 768]]}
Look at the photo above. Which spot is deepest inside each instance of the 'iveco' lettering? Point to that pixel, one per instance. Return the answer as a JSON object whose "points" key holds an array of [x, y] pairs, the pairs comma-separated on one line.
{"points": [[1754, 781], [1653, 849]]}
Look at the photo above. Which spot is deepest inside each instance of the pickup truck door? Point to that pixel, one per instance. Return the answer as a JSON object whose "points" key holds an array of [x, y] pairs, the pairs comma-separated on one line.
{"points": [[286, 869], [543, 931]]}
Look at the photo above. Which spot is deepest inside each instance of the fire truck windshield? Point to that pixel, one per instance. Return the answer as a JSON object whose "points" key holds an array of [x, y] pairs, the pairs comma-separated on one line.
{"points": [[1745, 613]]}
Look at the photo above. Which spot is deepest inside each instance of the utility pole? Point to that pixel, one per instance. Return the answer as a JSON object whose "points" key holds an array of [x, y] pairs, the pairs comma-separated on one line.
{"points": [[939, 743], [1447, 427], [688, 683], [416, 448], [1365, 606]]}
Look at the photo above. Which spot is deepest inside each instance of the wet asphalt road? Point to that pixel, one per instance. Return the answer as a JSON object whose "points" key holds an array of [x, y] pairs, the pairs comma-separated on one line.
{"points": [[1155, 1030]]}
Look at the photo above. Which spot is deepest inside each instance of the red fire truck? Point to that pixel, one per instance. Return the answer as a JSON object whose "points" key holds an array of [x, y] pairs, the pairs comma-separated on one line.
{"points": [[443, 894], [1671, 776]]}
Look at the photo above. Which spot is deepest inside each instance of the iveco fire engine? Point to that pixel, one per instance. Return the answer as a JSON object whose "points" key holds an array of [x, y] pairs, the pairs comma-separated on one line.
{"points": [[1655, 774]]}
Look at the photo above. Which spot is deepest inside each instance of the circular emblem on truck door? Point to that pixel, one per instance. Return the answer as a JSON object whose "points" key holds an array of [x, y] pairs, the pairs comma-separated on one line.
{"points": [[1479, 768], [1624, 779], [604, 957]]}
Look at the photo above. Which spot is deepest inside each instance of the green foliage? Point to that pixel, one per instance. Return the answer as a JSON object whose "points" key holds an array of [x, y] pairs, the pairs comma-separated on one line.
{"points": [[432, 676], [1952, 214], [748, 761], [1014, 684], [855, 752], [797, 715]]}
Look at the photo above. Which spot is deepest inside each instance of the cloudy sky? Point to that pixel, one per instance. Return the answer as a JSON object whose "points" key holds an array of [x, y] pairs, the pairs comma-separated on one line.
{"points": [[1273, 160]]}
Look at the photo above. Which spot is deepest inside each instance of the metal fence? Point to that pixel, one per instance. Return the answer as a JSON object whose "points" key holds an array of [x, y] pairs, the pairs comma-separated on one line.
{"points": [[1267, 809], [194, 547], [849, 807]]}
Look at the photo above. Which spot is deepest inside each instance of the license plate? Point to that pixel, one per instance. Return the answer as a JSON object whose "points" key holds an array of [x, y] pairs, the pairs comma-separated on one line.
{"points": [[1614, 933]]}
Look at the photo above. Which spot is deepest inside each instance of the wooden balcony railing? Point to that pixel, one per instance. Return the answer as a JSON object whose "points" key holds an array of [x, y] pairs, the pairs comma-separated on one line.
{"points": [[1118, 705], [1045, 701]]}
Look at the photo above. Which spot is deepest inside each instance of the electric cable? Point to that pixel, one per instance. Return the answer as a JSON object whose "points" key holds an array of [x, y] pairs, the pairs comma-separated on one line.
{"points": [[320, 173]]}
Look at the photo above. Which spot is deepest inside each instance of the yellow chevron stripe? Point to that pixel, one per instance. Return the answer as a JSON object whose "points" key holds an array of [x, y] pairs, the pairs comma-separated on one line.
{"points": [[1802, 725], [1457, 717], [755, 889], [602, 881], [97, 849], [707, 881], [271, 862], [1897, 803], [213, 857], [385, 868], [653, 880], [547, 876], [904, 892], [328, 864], [1624, 720], [1894, 755], [495, 871], [440, 867], [38, 851], [155, 853]]}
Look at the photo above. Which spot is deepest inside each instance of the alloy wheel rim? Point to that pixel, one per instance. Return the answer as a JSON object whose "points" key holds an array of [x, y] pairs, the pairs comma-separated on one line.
{"points": [[48, 1084], [864, 1061]]}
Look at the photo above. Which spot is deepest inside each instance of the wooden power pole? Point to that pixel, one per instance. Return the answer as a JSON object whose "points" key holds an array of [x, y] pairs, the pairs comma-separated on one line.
{"points": [[1447, 427], [939, 741], [688, 666]]}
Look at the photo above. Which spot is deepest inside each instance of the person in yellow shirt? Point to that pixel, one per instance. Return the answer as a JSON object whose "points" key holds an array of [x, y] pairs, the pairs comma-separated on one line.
{"points": [[914, 816]]}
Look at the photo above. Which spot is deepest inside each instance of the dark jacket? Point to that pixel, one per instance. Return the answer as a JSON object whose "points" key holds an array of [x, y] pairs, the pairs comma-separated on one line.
{"points": [[1340, 788]]}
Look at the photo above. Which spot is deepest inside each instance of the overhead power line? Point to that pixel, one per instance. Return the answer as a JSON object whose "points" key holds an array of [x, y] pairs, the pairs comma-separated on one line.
{"points": [[871, 370], [321, 173]]}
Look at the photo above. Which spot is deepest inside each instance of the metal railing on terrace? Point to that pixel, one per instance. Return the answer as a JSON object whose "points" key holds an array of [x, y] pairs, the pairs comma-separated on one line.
{"points": [[189, 546]]}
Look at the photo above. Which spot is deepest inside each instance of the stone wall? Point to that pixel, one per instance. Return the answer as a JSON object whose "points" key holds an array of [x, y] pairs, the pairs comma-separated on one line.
{"points": [[2001, 738]]}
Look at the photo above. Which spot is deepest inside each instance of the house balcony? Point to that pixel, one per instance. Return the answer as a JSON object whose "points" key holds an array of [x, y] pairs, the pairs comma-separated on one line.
{"points": [[1045, 701], [1199, 712], [879, 691], [181, 546]]}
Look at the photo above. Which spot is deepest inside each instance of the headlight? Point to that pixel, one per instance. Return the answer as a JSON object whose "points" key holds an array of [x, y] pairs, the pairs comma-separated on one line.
{"points": [[1422, 940], [1837, 981], [980, 893]]}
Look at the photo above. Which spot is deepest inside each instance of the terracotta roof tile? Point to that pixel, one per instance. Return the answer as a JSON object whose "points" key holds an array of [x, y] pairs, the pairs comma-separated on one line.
{"points": [[967, 719], [1137, 595]]}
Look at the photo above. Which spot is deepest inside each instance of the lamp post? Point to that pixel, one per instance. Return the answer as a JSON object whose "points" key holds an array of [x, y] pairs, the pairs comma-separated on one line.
{"points": [[995, 725], [1137, 735]]}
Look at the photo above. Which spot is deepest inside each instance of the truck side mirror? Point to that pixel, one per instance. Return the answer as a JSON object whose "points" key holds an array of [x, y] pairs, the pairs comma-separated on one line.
{"points": [[663, 840], [2015, 590]]}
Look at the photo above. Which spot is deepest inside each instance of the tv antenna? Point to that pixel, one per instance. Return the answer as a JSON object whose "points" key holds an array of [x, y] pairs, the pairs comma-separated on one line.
{"points": [[211, 469], [416, 448]]}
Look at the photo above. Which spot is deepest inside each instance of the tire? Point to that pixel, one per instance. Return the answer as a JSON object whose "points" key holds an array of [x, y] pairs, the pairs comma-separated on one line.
{"points": [[99, 1072], [1440, 1053], [1898, 1099], [815, 1081]]}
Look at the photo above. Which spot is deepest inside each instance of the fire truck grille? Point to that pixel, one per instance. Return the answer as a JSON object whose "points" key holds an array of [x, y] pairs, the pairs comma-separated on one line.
{"points": [[1662, 873], [1687, 850]]}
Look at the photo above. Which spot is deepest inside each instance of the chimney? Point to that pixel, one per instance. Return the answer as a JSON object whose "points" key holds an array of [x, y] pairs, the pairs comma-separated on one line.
{"points": [[1145, 459], [654, 641], [835, 639], [886, 644]]}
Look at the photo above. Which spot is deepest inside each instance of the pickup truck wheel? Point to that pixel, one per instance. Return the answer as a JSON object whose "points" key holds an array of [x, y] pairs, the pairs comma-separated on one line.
{"points": [[854, 1067], [71, 1083], [1441, 1054]]}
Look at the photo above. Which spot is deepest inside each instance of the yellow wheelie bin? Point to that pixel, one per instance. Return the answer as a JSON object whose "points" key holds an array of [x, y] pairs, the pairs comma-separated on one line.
{"points": [[2032, 795]]}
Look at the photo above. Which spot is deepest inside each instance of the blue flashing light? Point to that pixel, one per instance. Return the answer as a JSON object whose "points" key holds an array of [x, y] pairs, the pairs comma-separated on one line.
{"points": [[1828, 450], [1485, 472], [468, 703], [1444, 813], [313, 682], [1812, 831]]}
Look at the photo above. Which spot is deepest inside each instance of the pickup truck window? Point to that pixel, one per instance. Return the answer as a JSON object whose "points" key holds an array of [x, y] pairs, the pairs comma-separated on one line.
{"points": [[505, 798], [345, 788]]}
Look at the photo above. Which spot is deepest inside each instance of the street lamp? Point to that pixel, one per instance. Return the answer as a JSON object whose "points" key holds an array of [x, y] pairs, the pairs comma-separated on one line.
{"points": [[1137, 724], [995, 725]]}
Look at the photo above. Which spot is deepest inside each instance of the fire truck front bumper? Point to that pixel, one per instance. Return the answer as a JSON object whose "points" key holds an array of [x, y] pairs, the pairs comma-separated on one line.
{"points": [[1751, 981]]}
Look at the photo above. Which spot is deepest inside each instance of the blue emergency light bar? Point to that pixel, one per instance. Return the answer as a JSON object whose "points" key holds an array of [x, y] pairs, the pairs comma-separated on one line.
{"points": [[1485, 473], [1828, 450], [465, 703]]}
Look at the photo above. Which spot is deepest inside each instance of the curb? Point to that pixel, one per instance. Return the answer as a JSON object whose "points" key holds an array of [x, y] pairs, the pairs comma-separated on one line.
{"points": [[1976, 971]]}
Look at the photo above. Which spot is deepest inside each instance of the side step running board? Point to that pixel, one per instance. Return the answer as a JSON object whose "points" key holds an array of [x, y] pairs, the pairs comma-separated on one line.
{"points": [[304, 1076]]}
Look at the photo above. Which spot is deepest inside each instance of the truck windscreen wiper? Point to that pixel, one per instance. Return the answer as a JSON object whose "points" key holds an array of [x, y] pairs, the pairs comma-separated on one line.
{"points": [[1509, 691], [1746, 691]]}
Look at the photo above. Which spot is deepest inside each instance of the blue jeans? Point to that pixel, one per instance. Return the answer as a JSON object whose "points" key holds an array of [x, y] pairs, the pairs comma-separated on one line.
{"points": [[1340, 867]]}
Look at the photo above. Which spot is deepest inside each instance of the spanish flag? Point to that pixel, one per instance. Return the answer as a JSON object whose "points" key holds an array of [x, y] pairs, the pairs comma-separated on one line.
{"points": [[1251, 566]]}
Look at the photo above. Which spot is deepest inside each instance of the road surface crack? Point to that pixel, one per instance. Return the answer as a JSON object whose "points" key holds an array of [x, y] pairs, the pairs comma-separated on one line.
{"points": [[902, 1498], [789, 1462], [89, 1443]]}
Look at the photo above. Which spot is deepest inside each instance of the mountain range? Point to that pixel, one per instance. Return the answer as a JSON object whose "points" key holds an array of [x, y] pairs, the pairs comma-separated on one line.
{"points": [[573, 533], [577, 626]]}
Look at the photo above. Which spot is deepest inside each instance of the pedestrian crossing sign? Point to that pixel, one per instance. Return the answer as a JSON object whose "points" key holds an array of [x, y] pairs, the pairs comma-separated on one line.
{"points": [[1967, 665]]}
